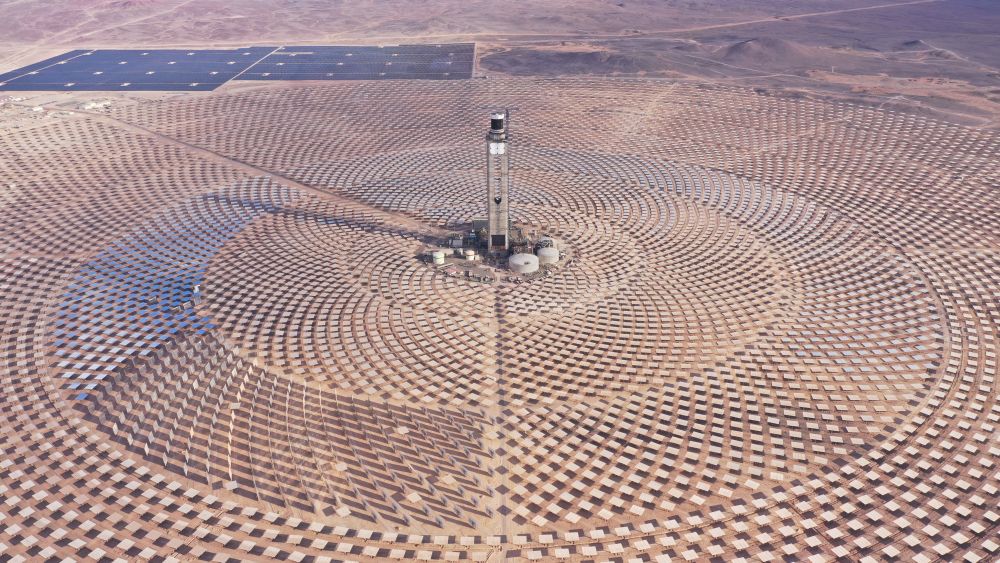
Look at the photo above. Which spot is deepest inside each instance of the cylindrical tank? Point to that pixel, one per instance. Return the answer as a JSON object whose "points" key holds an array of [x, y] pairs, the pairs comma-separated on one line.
{"points": [[548, 255], [523, 263], [470, 254], [438, 256]]}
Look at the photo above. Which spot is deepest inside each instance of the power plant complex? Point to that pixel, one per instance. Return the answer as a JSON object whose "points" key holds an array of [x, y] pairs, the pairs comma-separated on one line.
{"points": [[693, 323], [505, 247]]}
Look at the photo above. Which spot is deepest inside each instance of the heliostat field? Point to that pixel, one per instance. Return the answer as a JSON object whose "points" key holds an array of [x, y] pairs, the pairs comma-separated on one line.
{"points": [[775, 340]]}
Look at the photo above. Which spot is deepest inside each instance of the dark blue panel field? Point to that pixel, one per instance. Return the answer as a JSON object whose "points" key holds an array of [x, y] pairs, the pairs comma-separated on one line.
{"points": [[188, 70], [441, 62], [135, 70]]}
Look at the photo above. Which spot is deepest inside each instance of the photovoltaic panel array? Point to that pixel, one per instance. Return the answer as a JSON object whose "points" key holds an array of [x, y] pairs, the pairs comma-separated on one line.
{"points": [[124, 70], [135, 70], [434, 62]]}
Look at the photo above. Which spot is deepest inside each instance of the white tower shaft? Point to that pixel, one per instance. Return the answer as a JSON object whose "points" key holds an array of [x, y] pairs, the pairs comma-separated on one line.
{"points": [[497, 184]]}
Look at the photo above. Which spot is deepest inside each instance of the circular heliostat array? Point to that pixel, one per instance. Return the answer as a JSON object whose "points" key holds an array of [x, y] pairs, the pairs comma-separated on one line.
{"points": [[773, 338]]}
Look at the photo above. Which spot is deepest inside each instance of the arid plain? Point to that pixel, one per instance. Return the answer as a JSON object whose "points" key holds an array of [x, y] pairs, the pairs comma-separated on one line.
{"points": [[935, 58]]}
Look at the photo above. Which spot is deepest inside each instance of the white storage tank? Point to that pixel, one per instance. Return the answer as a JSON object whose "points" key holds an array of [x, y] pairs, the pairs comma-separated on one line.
{"points": [[523, 263], [438, 256], [548, 255], [470, 255]]}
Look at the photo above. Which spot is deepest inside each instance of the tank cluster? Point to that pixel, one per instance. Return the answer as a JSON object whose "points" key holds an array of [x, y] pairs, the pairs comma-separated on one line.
{"points": [[438, 256], [546, 253], [460, 257]]}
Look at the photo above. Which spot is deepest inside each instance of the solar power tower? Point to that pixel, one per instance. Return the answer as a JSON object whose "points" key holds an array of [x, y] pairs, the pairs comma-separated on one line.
{"points": [[497, 183]]}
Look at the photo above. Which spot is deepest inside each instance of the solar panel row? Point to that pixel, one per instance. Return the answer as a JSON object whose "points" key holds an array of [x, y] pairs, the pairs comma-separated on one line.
{"points": [[179, 69], [115, 86], [245, 57], [352, 68], [351, 76], [314, 58], [458, 48], [100, 77]]}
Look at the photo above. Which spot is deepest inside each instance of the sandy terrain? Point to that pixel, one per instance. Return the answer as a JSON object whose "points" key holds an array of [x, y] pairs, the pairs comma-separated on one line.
{"points": [[877, 52], [778, 46]]}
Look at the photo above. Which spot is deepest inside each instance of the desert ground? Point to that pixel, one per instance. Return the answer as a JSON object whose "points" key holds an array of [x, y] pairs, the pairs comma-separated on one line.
{"points": [[935, 58]]}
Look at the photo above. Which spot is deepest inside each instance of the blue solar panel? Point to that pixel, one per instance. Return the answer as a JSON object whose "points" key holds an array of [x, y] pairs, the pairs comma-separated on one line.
{"points": [[180, 69], [41, 65], [445, 61], [171, 69]]}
